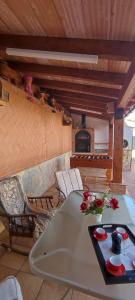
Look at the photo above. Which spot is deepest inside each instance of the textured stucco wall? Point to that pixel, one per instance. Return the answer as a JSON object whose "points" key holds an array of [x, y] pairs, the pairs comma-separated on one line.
{"points": [[38, 179], [30, 133]]}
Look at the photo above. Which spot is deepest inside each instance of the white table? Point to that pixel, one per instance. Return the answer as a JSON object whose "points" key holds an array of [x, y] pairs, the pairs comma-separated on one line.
{"points": [[70, 257]]}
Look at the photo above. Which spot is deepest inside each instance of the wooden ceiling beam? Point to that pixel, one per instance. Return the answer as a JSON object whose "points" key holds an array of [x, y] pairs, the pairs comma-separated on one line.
{"points": [[82, 106], [93, 115], [58, 93], [76, 87], [129, 110], [81, 102], [128, 90], [118, 50], [82, 74], [131, 103]]}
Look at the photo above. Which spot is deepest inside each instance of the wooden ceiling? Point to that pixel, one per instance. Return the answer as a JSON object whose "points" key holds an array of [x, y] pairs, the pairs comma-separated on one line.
{"points": [[88, 19], [102, 27]]}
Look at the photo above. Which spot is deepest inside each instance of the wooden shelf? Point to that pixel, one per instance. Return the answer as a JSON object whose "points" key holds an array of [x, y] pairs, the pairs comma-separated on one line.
{"points": [[87, 162]]}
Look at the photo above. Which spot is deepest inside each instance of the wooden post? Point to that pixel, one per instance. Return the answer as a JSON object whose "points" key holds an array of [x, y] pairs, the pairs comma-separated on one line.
{"points": [[110, 150], [118, 146]]}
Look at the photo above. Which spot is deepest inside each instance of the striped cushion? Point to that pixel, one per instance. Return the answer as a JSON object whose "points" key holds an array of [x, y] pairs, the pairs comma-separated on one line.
{"points": [[69, 181]]}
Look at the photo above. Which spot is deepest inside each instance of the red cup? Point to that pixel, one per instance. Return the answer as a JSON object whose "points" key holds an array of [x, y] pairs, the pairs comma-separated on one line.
{"points": [[115, 263], [123, 232], [100, 232]]}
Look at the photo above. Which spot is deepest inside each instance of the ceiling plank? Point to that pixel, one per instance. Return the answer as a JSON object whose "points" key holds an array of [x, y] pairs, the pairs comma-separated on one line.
{"points": [[118, 50], [76, 87], [75, 80], [82, 74], [58, 93]]}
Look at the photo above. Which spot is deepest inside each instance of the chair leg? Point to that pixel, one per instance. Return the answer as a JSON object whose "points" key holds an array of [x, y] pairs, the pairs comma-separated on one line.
{"points": [[6, 246], [11, 248], [9, 245]]}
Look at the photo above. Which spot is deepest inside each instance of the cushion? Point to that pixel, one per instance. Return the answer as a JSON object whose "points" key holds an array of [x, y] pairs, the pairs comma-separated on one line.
{"points": [[42, 223], [12, 195]]}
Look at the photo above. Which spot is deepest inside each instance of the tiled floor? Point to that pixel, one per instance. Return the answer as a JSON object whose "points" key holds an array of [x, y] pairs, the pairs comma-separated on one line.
{"points": [[129, 179], [33, 287]]}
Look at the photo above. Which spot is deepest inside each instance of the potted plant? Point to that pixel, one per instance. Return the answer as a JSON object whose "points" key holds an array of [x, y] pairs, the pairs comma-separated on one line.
{"points": [[94, 205]]}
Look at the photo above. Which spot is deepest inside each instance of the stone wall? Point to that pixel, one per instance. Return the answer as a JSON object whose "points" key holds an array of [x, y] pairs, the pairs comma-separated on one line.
{"points": [[38, 179]]}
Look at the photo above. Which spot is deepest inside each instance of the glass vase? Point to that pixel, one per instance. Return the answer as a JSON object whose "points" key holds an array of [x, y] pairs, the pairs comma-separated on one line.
{"points": [[95, 219]]}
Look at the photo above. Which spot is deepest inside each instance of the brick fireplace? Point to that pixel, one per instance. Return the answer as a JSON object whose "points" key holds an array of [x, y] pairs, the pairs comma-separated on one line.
{"points": [[83, 140]]}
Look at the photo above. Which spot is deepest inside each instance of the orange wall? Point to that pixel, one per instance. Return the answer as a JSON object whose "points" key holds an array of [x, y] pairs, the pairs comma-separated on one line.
{"points": [[29, 133]]}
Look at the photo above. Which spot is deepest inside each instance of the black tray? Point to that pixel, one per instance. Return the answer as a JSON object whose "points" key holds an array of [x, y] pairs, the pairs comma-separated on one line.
{"points": [[129, 277]]}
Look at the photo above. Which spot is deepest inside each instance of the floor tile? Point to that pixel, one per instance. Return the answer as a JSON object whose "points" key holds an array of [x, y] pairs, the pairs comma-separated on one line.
{"points": [[26, 267], [81, 296], [12, 260], [5, 271], [52, 291], [25, 242], [30, 285], [2, 251]]}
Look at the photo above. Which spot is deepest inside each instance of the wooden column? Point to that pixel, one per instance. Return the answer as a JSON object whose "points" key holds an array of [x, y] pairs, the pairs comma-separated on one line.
{"points": [[118, 146], [110, 150]]}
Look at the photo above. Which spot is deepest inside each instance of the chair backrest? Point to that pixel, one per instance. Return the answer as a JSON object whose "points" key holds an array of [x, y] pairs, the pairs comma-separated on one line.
{"points": [[10, 289], [69, 181], [12, 196]]}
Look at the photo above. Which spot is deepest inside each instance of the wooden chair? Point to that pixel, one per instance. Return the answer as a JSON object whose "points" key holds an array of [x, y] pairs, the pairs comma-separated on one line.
{"points": [[16, 213], [68, 181]]}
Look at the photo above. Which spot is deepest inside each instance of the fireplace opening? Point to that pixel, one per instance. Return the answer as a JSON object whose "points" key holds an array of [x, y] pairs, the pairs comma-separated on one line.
{"points": [[82, 141]]}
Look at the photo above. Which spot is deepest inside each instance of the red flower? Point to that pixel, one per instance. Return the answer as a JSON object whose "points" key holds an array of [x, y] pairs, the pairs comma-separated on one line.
{"points": [[114, 203], [86, 195], [99, 202], [83, 206]]}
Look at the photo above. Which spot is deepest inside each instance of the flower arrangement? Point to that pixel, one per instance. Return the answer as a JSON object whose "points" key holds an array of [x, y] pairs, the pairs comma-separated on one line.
{"points": [[93, 205]]}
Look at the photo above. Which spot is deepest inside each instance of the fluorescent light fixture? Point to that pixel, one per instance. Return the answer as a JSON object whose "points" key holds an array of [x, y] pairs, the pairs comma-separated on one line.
{"points": [[86, 110], [84, 58]]}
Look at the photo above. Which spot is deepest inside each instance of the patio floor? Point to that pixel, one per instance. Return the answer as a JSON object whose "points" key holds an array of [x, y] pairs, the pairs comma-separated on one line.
{"points": [[129, 180], [35, 288]]}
